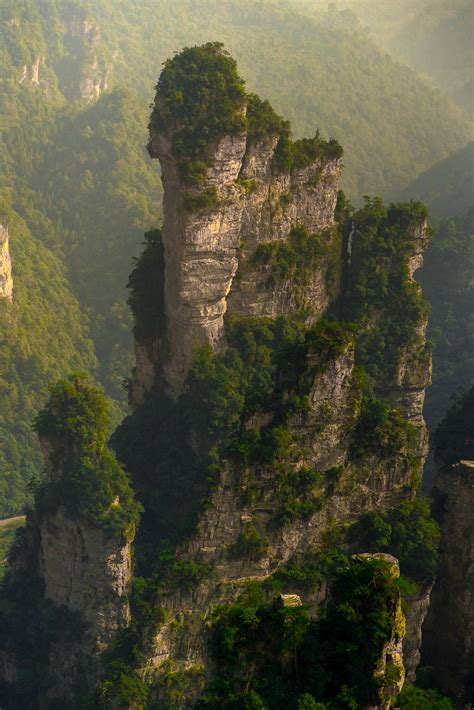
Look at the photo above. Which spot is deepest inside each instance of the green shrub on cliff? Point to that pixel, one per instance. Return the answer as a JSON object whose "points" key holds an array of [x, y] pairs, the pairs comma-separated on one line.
{"points": [[412, 698], [296, 257], [382, 428], [407, 532], [201, 99], [261, 645], [84, 476], [379, 294]]}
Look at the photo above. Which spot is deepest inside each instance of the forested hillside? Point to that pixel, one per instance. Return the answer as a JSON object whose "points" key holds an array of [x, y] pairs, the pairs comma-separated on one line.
{"points": [[447, 280], [434, 38], [438, 42], [448, 186], [78, 193], [43, 336]]}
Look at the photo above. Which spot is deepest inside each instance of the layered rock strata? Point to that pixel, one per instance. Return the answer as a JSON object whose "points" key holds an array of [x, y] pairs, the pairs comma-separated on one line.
{"points": [[206, 249], [212, 270]]}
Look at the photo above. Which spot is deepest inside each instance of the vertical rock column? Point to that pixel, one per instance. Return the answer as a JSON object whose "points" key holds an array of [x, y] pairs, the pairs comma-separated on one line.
{"points": [[201, 248], [449, 632]]}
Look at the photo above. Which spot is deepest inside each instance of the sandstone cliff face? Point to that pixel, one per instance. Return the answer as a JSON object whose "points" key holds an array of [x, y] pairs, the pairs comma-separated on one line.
{"points": [[415, 608], [206, 249], [219, 261], [89, 573], [449, 630], [390, 668], [6, 279], [200, 254]]}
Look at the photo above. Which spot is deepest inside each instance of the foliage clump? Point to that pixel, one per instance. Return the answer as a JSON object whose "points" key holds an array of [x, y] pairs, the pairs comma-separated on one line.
{"points": [[379, 293], [250, 545], [298, 256], [85, 477], [382, 427], [146, 285], [295, 155], [421, 699], [407, 532], [200, 98], [262, 120], [282, 656]]}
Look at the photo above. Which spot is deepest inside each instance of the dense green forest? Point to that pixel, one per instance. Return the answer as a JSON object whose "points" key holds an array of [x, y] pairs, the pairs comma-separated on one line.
{"points": [[44, 336], [432, 37], [438, 42], [76, 82]]}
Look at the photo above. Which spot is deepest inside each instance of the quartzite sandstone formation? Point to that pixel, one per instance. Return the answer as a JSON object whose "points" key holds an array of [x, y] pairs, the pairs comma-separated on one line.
{"points": [[212, 270], [254, 238]]}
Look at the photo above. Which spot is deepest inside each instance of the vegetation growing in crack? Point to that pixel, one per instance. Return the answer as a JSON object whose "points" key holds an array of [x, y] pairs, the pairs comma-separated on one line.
{"points": [[382, 428], [379, 293], [298, 257]]}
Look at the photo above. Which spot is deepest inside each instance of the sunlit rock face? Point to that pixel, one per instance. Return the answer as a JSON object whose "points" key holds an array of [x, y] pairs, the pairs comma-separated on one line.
{"points": [[6, 279], [214, 268], [206, 248]]}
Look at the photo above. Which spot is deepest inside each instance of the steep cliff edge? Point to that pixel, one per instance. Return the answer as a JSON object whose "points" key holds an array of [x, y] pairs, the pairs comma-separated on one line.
{"points": [[449, 630], [280, 371], [262, 432], [71, 569], [233, 182]]}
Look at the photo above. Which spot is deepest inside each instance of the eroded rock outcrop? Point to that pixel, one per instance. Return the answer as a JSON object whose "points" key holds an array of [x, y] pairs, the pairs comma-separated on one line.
{"points": [[416, 608], [73, 565], [255, 240], [265, 424], [253, 200], [6, 279], [449, 632]]}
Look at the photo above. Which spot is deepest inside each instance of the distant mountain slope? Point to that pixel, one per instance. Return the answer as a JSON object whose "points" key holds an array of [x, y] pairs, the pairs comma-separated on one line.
{"points": [[438, 41], [434, 37], [448, 283], [43, 336], [391, 124], [448, 187]]}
